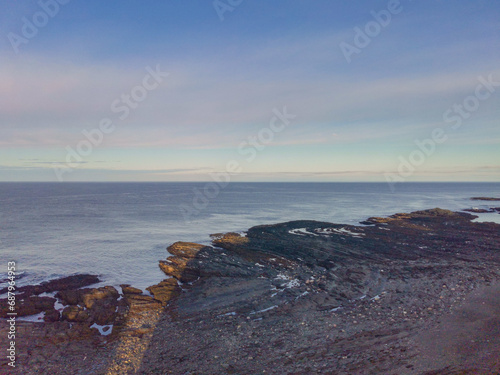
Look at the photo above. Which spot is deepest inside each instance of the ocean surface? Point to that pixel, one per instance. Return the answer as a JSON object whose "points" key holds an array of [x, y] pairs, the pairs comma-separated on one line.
{"points": [[119, 231]]}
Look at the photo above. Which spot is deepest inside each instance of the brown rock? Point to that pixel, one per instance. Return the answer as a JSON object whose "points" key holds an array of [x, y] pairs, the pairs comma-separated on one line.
{"points": [[185, 249], [93, 295], [165, 290], [52, 316], [75, 314], [72, 297], [138, 302], [183, 269], [27, 306], [64, 283], [127, 289], [103, 313]]}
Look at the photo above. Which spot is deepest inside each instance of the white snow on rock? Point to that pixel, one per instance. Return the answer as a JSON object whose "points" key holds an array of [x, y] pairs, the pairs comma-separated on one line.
{"points": [[103, 330]]}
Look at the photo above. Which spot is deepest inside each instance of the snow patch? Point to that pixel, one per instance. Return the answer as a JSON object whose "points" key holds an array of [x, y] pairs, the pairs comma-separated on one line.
{"points": [[302, 232], [342, 230], [103, 330], [232, 313], [291, 284], [32, 318], [261, 311]]}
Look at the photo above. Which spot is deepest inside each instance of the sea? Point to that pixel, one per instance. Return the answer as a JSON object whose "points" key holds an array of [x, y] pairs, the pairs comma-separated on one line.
{"points": [[120, 231]]}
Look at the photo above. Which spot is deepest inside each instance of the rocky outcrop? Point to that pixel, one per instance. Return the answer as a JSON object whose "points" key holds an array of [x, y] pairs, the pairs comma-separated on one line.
{"points": [[485, 199], [64, 283], [480, 210], [335, 263], [165, 290], [28, 306], [299, 297], [127, 289]]}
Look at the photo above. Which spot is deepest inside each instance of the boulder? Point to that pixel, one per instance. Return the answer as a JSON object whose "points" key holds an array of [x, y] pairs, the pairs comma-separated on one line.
{"points": [[72, 296], [165, 290], [139, 303], [75, 314], [27, 306], [64, 283], [52, 316], [185, 249], [107, 293], [127, 289]]}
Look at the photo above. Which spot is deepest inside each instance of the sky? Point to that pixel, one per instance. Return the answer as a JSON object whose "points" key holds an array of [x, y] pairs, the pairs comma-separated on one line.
{"points": [[240, 90]]}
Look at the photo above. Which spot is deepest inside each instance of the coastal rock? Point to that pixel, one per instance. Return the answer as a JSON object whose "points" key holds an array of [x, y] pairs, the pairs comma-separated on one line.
{"points": [[75, 314], [96, 305], [127, 289], [485, 199], [300, 297], [27, 306], [52, 316], [104, 295], [208, 261], [64, 283], [183, 269], [72, 297], [165, 290], [479, 210], [185, 249], [141, 303]]}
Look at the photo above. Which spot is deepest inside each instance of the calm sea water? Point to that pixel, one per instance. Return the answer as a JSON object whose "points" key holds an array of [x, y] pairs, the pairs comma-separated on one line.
{"points": [[120, 230]]}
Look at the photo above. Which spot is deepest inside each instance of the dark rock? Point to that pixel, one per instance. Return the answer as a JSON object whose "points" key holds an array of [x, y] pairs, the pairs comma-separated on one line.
{"points": [[106, 293], [72, 297], [52, 316], [75, 314], [64, 283], [485, 199], [479, 210], [206, 261], [27, 306]]}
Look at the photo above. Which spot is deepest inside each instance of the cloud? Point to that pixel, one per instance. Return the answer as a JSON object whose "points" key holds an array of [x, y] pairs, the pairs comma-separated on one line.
{"points": [[219, 101]]}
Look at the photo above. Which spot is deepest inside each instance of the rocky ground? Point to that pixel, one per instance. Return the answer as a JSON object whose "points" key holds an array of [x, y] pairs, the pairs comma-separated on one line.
{"points": [[409, 294]]}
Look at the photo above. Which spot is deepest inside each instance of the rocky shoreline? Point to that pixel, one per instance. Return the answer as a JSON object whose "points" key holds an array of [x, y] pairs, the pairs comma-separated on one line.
{"points": [[291, 298]]}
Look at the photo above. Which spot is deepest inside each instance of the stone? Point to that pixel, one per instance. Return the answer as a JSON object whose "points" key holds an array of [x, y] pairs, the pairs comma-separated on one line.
{"points": [[127, 289], [75, 314], [27, 306], [185, 249], [107, 293], [165, 290], [64, 283]]}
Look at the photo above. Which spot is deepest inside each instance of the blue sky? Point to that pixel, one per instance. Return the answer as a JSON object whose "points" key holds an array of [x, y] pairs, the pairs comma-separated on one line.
{"points": [[356, 120]]}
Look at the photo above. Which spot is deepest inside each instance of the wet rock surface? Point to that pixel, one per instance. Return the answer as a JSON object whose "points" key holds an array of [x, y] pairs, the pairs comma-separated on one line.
{"points": [[485, 199], [301, 297], [64, 283]]}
